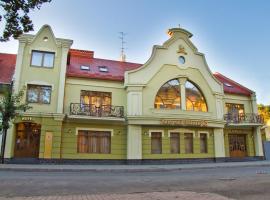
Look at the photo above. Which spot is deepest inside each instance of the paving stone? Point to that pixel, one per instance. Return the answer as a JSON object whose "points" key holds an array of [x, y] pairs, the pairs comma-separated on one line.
{"points": [[180, 195]]}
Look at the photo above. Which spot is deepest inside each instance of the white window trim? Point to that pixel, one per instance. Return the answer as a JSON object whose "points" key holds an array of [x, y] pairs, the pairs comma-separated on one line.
{"points": [[41, 83], [181, 131], [93, 129], [152, 130], [204, 132]]}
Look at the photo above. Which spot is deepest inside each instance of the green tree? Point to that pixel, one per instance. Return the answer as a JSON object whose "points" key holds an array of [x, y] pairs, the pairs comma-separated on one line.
{"points": [[16, 17], [264, 110], [10, 107]]}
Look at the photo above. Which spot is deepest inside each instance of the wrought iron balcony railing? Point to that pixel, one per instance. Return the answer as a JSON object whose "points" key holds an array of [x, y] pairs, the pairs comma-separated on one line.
{"points": [[232, 118], [92, 110]]}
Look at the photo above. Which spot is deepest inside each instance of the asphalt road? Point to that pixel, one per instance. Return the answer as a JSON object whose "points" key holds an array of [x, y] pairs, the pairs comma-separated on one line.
{"points": [[238, 183]]}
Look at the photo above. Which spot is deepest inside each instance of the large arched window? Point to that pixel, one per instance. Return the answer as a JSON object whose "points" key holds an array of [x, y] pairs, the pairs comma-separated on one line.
{"points": [[169, 95], [194, 98]]}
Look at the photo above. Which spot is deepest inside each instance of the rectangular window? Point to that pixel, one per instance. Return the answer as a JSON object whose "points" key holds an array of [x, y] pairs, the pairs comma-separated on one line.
{"points": [[156, 143], [96, 98], [98, 142], [203, 142], [188, 142], [42, 59], [39, 94], [232, 108], [175, 143]]}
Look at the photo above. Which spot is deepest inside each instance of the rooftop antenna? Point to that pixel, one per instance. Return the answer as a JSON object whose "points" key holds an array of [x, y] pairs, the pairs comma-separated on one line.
{"points": [[123, 42]]}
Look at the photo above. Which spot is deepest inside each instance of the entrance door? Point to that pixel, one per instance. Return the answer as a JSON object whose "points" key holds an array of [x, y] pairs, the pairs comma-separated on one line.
{"points": [[27, 140], [237, 146]]}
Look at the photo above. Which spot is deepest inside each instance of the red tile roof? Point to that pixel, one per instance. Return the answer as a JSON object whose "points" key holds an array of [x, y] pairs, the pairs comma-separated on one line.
{"points": [[116, 70], [7, 67], [232, 87]]}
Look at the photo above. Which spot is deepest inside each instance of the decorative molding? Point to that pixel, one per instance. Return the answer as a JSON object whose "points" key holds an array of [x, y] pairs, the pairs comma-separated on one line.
{"points": [[181, 50], [156, 131], [93, 129]]}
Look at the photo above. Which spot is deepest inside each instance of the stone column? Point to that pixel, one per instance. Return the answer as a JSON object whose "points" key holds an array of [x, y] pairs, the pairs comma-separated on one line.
{"points": [[182, 81], [219, 143], [134, 143], [258, 141]]}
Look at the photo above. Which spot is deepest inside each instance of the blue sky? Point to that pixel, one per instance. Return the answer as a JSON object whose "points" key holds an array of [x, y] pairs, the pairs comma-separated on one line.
{"points": [[233, 35]]}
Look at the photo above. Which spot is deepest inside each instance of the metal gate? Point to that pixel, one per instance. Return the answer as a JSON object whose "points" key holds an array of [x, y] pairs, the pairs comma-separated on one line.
{"points": [[266, 146]]}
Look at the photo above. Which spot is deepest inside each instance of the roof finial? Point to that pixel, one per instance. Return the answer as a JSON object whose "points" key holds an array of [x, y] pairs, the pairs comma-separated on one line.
{"points": [[123, 42]]}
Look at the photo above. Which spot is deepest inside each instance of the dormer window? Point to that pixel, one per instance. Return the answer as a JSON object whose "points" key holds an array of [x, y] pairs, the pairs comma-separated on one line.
{"points": [[42, 59], [103, 69], [84, 67], [228, 84]]}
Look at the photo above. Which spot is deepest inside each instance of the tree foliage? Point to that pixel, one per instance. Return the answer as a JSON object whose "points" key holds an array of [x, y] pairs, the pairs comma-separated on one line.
{"points": [[264, 110], [10, 106], [16, 17]]}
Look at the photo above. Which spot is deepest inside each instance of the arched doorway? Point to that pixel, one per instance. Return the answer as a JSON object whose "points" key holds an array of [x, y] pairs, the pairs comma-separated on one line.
{"points": [[27, 140]]}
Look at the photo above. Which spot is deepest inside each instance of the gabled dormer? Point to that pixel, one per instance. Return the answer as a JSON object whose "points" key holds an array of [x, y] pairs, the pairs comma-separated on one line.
{"points": [[41, 68]]}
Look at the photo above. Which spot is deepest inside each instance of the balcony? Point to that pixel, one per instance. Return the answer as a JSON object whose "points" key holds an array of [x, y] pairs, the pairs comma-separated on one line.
{"points": [[94, 111], [244, 118]]}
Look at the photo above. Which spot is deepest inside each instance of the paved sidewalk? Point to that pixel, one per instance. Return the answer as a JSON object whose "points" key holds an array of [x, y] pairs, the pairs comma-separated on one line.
{"points": [[127, 168], [181, 195]]}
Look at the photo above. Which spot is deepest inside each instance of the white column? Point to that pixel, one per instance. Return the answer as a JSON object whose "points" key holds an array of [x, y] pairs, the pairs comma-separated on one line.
{"points": [[62, 80], [258, 142], [18, 66], [182, 82], [219, 143], [254, 103], [10, 142], [134, 142]]}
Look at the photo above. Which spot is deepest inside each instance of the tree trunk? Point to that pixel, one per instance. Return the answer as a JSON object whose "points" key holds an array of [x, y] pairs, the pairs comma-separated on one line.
{"points": [[4, 136]]}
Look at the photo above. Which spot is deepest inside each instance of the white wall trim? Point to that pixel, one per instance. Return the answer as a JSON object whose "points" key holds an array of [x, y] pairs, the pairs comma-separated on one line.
{"points": [[158, 130], [93, 129], [181, 130], [203, 132]]}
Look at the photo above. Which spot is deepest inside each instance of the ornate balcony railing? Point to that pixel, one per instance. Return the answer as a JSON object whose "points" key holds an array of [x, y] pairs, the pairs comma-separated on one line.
{"points": [[94, 111], [232, 118]]}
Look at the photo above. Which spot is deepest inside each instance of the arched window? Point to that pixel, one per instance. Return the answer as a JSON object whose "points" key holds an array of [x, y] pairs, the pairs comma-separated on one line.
{"points": [[194, 98], [169, 95]]}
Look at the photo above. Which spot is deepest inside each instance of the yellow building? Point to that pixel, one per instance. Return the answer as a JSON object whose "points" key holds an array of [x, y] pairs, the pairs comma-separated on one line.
{"points": [[171, 109]]}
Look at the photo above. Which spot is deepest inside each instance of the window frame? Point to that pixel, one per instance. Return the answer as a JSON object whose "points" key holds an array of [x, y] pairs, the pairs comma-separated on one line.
{"points": [[39, 92], [94, 133], [179, 142], [206, 142], [155, 137], [42, 59], [102, 96], [192, 142], [201, 93]]}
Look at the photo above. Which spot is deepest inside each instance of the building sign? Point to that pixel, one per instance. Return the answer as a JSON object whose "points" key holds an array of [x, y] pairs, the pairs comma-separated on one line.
{"points": [[184, 122], [26, 118]]}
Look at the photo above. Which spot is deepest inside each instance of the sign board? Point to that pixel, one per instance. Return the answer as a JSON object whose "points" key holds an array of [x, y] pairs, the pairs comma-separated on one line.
{"points": [[184, 122]]}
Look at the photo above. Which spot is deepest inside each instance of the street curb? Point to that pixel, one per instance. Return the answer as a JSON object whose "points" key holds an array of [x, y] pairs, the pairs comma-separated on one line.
{"points": [[121, 170]]}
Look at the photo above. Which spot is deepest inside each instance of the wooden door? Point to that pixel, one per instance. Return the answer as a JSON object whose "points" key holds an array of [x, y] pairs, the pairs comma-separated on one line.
{"points": [[27, 140], [238, 146]]}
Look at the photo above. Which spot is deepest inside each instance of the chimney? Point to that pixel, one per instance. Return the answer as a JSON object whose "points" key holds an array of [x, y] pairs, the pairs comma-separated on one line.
{"points": [[123, 57]]}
